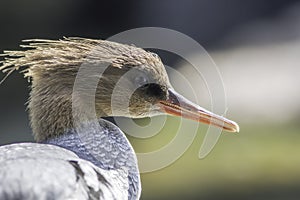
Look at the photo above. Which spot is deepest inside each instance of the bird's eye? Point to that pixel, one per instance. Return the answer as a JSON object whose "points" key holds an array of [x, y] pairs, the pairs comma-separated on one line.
{"points": [[141, 81]]}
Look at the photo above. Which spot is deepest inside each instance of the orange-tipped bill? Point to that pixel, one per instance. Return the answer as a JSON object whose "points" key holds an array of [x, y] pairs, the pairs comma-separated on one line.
{"points": [[179, 106]]}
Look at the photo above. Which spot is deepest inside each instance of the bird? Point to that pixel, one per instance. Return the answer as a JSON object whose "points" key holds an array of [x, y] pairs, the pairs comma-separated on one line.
{"points": [[76, 155]]}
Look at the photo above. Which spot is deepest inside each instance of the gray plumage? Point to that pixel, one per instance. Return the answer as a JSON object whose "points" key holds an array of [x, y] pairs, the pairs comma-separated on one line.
{"points": [[92, 164], [44, 172]]}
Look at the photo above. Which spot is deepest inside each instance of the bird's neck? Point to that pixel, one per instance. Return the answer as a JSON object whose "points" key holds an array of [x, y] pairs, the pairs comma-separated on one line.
{"points": [[54, 121], [103, 144], [51, 109]]}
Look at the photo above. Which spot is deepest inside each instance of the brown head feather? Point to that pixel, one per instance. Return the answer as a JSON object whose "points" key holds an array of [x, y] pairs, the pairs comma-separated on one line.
{"points": [[52, 66]]}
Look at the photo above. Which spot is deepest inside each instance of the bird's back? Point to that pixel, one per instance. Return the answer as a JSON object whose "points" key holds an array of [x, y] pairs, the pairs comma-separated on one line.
{"points": [[40, 171]]}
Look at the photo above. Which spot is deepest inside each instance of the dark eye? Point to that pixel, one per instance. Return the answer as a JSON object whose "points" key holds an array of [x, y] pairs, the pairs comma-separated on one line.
{"points": [[154, 90], [140, 81]]}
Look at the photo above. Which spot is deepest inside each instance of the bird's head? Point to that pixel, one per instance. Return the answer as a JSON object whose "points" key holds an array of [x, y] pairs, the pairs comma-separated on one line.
{"points": [[126, 81], [135, 84]]}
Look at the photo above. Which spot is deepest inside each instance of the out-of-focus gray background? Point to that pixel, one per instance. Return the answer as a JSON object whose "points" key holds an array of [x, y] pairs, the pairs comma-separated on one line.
{"points": [[255, 44]]}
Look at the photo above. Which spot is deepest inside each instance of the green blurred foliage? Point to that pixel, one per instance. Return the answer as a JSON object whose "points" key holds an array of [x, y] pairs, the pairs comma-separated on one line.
{"points": [[260, 162]]}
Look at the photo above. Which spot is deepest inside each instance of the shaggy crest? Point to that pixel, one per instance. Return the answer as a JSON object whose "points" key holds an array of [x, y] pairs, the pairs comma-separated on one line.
{"points": [[47, 56]]}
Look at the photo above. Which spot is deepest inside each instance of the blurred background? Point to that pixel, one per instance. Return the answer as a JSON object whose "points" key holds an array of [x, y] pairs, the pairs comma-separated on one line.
{"points": [[255, 44]]}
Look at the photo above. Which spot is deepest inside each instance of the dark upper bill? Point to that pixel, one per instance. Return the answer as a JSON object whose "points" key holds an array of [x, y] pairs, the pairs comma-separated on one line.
{"points": [[179, 106]]}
